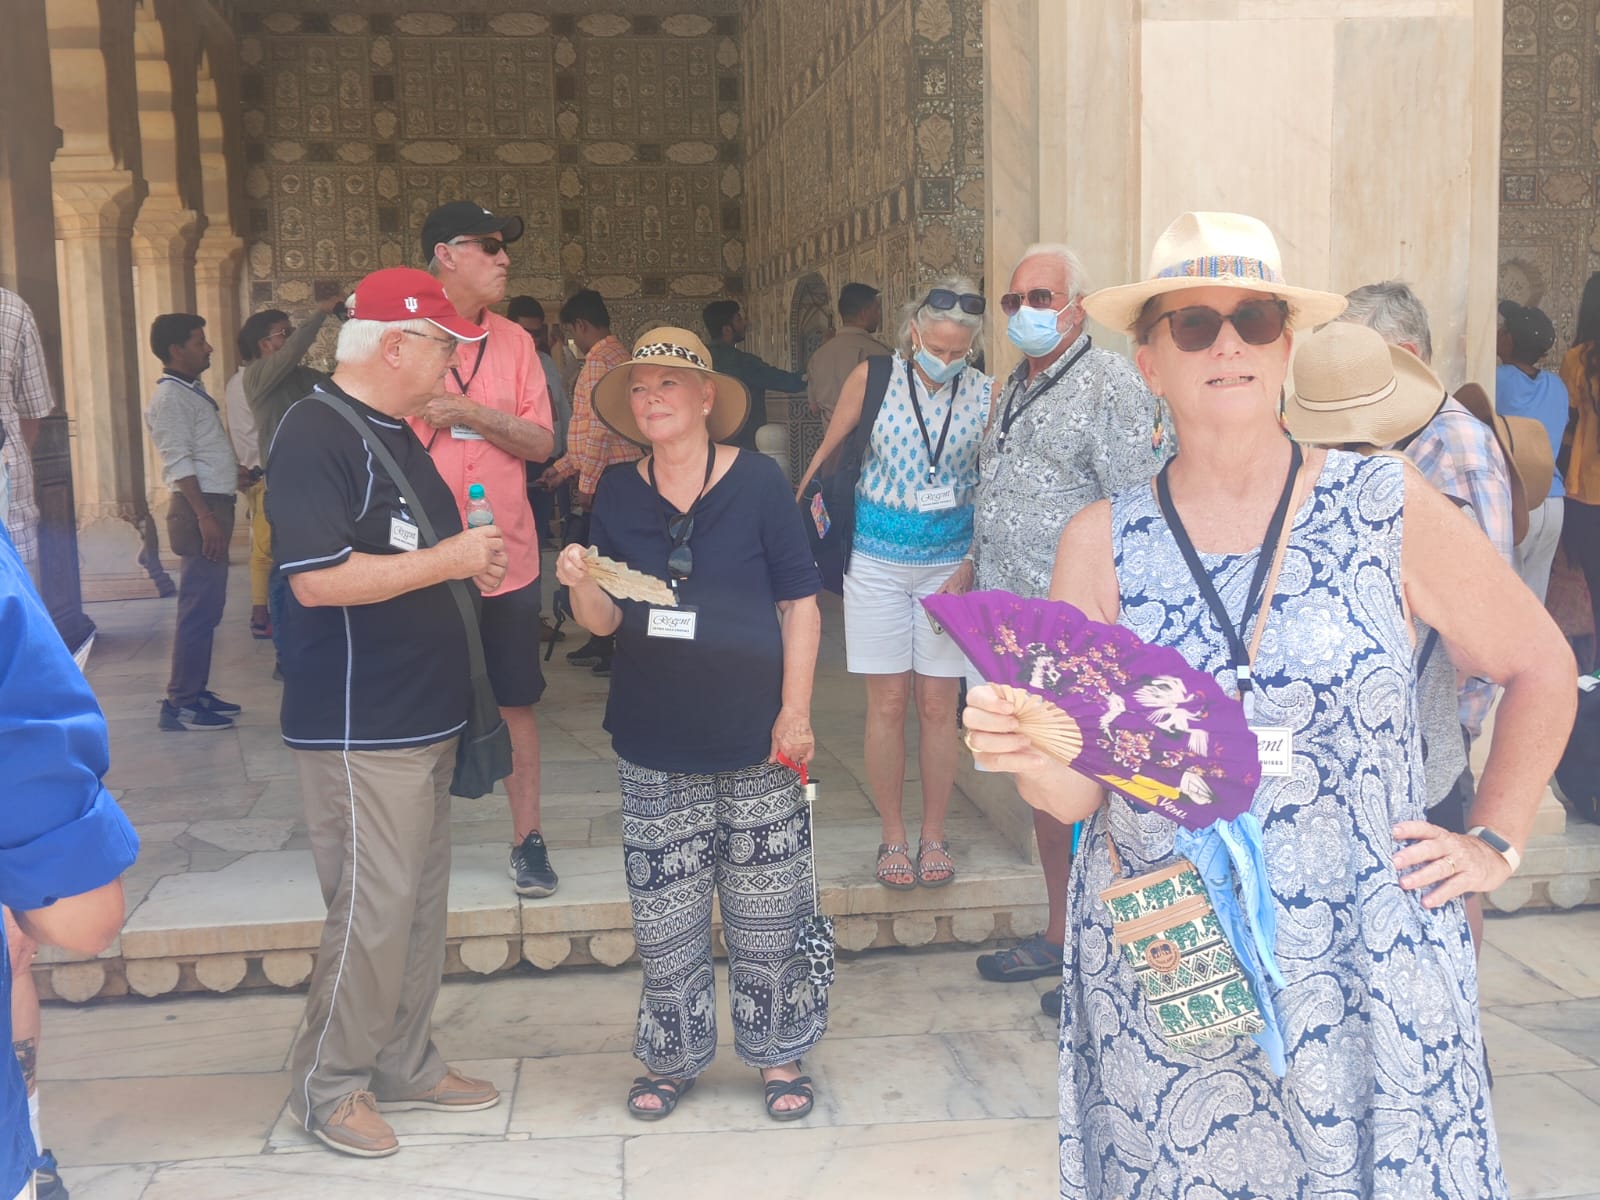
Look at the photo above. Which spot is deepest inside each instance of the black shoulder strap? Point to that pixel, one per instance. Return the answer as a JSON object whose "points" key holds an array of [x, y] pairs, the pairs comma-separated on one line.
{"points": [[880, 369], [458, 587]]}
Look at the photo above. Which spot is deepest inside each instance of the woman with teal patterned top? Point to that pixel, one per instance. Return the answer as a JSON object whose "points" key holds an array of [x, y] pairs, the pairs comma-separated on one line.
{"points": [[913, 537]]}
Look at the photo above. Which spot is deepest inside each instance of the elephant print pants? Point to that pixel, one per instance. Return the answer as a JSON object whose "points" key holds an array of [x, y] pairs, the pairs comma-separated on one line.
{"points": [[745, 834]]}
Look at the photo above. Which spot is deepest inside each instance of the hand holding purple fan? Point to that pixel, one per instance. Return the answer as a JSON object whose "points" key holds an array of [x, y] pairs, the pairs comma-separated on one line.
{"points": [[1134, 717]]}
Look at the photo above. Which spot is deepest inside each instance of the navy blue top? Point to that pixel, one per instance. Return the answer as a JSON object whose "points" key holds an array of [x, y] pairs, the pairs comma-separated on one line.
{"points": [[707, 705], [61, 833]]}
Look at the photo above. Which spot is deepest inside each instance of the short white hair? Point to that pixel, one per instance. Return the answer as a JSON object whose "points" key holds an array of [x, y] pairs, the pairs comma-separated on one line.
{"points": [[1393, 310], [1077, 278], [359, 340], [919, 314]]}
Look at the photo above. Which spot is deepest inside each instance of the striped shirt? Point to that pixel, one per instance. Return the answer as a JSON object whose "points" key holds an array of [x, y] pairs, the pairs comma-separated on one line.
{"points": [[591, 445], [1457, 453], [24, 396]]}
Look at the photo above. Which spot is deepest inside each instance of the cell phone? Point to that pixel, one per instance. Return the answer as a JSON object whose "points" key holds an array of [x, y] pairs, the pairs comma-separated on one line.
{"points": [[937, 628]]}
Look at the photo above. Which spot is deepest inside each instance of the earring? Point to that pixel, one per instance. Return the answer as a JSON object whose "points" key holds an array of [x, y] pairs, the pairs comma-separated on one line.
{"points": [[705, 412]]}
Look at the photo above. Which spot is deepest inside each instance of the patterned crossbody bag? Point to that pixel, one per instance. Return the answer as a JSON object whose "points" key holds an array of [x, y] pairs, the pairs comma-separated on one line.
{"points": [[1164, 920]]}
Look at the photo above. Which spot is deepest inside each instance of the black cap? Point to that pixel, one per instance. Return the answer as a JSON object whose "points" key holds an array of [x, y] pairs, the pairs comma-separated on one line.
{"points": [[463, 218], [1532, 333]]}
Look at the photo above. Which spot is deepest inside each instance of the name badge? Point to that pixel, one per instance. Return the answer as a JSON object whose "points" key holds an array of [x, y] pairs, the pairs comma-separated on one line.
{"points": [[465, 433], [672, 623], [1275, 745], [936, 499], [402, 534]]}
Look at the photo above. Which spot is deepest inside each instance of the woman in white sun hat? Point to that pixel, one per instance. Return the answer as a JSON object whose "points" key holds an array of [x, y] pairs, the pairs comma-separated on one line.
{"points": [[1370, 1079]]}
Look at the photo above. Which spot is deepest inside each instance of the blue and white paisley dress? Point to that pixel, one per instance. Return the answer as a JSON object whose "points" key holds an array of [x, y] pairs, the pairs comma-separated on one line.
{"points": [[1386, 1093]]}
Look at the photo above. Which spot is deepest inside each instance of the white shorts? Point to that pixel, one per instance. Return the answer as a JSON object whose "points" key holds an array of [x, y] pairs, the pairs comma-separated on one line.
{"points": [[886, 630]]}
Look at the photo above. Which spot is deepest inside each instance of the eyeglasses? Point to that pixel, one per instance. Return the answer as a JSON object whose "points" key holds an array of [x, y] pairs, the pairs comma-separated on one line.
{"points": [[1033, 298], [489, 245], [1258, 322], [280, 335], [444, 341], [680, 559], [943, 299]]}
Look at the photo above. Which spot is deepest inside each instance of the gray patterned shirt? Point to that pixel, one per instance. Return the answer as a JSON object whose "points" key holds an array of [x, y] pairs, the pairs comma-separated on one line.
{"points": [[1076, 437]]}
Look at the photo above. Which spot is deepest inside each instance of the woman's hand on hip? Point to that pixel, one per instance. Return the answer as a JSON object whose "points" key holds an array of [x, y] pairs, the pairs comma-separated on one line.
{"points": [[792, 736], [960, 581], [1446, 864]]}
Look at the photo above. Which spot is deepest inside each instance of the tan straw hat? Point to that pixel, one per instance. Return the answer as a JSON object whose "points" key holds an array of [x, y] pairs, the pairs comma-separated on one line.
{"points": [[669, 346], [1526, 448], [1202, 249], [1350, 386]]}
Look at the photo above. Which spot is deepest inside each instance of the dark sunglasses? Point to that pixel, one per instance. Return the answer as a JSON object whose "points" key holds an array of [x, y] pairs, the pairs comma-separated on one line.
{"points": [[1033, 298], [680, 559], [489, 245], [943, 299], [1257, 322]]}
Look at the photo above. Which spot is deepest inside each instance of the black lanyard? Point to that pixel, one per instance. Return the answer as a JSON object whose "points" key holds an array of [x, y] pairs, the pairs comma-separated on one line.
{"points": [[1202, 579], [935, 453], [711, 465], [477, 365], [1008, 418]]}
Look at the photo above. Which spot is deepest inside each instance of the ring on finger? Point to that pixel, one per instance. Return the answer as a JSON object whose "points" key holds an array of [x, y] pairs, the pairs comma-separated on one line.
{"points": [[1449, 864]]}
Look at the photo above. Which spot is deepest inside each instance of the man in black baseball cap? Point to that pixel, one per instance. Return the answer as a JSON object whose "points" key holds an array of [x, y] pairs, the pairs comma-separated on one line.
{"points": [[1525, 334], [464, 219]]}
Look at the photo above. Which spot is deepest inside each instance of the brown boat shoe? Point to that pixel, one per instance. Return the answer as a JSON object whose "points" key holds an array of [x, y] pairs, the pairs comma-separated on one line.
{"points": [[355, 1127], [453, 1093]]}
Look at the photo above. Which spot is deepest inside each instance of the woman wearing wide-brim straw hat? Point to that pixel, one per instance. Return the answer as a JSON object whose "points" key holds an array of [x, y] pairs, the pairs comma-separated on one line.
{"points": [[706, 695], [1375, 1082]]}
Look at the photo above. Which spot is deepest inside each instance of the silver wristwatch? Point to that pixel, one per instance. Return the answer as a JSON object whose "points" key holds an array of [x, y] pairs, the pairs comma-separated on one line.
{"points": [[1498, 844]]}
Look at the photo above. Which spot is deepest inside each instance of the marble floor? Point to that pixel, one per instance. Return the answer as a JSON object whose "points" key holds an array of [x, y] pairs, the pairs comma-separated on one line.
{"points": [[930, 1083]]}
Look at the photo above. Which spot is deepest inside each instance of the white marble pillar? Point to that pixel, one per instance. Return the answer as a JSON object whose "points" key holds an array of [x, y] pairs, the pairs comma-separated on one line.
{"points": [[1366, 134]]}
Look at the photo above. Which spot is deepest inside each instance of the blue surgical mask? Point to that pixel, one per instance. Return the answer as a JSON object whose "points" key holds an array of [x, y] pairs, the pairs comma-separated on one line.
{"points": [[1033, 330], [937, 369]]}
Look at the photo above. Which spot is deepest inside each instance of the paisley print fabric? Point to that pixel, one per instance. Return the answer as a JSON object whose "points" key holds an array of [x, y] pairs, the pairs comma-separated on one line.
{"points": [[1386, 1094], [746, 836]]}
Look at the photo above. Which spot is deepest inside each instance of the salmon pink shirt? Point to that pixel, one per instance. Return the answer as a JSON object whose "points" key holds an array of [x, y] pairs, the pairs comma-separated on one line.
{"points": [[507, 377]]}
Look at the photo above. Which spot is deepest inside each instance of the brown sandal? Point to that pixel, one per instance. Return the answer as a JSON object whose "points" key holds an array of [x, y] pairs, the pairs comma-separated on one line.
{"points": [[887, 851], [930, 876]]}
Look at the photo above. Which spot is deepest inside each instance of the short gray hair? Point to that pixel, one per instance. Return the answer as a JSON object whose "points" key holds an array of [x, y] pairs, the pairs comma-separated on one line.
{"points": [[359, 340], [1077, 279], [1393, 310], [919, 314]]}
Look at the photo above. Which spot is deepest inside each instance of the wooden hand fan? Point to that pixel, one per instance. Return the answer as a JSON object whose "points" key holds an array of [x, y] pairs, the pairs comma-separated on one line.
{"points": [[623, 582], [1046, 725]]}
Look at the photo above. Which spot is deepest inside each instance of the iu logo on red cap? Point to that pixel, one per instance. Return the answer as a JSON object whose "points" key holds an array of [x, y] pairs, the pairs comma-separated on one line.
{"points": [[411, 304]]}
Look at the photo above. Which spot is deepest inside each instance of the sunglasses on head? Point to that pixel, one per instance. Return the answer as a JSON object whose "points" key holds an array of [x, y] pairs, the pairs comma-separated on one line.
{"points": [[489, 245], [680, 559], [1033, 298], [943, 300], [1257, 322]]}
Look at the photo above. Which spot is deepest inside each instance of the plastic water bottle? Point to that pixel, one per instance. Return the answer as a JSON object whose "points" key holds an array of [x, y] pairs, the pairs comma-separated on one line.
{"points": [[478, 510]]}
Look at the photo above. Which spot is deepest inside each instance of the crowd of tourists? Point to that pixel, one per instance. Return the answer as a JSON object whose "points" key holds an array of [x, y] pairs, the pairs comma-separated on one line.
{"points": [[1361, 555]]}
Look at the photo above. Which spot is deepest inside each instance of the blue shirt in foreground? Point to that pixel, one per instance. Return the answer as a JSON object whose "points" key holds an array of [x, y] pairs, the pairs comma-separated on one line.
{"points": [[704, 706], [61, 833]]}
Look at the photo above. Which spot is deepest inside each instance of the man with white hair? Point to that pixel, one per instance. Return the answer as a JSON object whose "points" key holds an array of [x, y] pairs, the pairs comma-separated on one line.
{"points": [[1458, 454], [375, 695], [1074, 424]]}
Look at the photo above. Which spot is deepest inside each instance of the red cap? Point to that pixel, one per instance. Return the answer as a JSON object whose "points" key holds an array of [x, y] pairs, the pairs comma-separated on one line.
{"points": [[407, 294]]}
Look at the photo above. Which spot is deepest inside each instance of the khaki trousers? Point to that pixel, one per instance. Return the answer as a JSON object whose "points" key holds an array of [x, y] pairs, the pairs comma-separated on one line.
{"points": [[260, 543], [379, 822]]}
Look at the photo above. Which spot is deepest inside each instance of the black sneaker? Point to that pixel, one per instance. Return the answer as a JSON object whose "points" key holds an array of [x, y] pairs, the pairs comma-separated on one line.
{"points": [[603, 667], [530, 867], [212, 702], [177, 720], [47, 1179], [1050, 1002], [591, 652]]}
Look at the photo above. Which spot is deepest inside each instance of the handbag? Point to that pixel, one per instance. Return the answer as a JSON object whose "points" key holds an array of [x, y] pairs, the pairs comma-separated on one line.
{"points": [[831, 501], [483, 755], [1164, 922]]}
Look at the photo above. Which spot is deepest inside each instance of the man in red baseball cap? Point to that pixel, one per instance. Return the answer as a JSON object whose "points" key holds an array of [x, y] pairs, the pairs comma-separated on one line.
{"points": [[375, 695]]}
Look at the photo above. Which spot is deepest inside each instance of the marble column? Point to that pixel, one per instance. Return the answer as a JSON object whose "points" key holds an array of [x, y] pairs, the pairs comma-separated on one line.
{"points": [[94, 210], [163, 246], [1366, 134], [218, 260]]}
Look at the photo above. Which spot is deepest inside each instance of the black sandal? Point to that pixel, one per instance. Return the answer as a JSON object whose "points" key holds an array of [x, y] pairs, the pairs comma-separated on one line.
{"points": [[777, 1089], [668, 1091]]}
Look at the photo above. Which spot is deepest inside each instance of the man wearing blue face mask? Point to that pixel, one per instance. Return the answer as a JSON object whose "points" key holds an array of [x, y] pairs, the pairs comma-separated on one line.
{"points": [[1072, 425]]}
